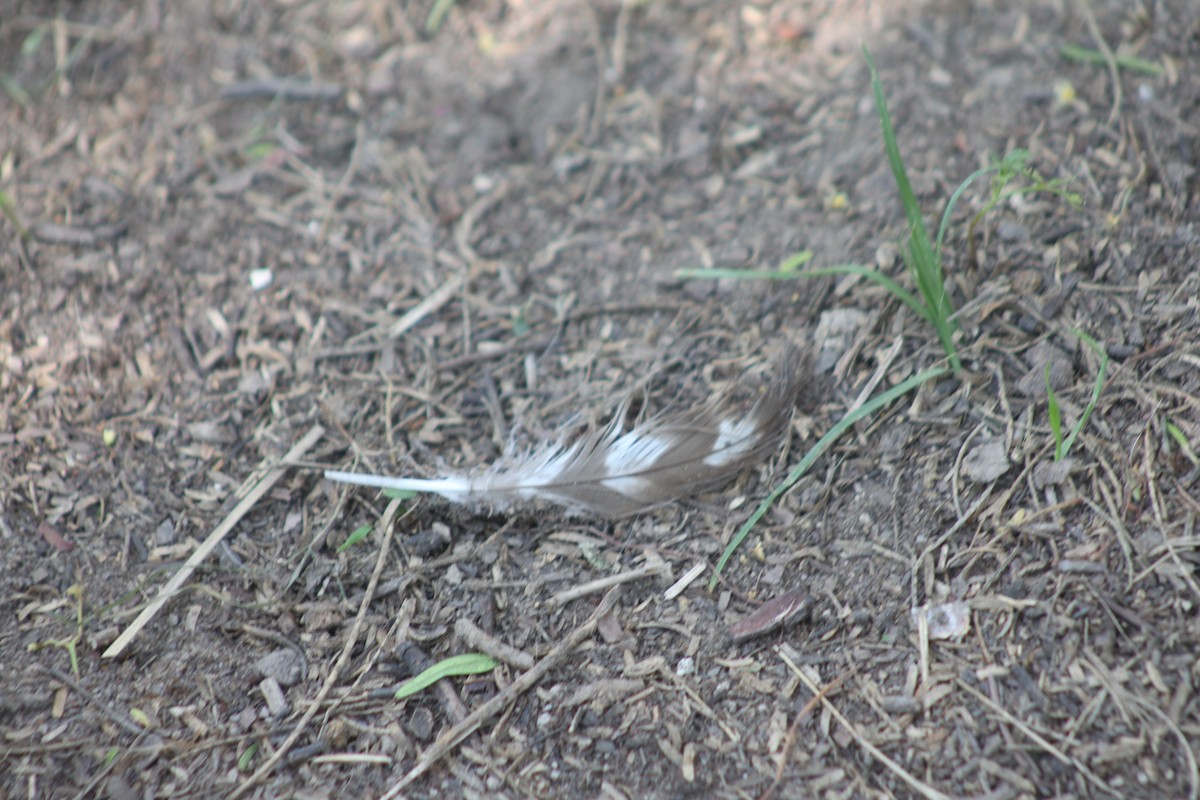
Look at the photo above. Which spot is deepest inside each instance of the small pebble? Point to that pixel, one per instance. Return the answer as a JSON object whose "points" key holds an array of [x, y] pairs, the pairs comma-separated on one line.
{"points": [[483, 183], [277, 702], [261, 279], [1011, 231], [164, 534], [283, 665], [420, 724]]}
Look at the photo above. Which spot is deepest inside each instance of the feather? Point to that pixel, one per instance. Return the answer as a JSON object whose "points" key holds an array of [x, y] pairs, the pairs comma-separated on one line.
{"points": [[612, 472]]}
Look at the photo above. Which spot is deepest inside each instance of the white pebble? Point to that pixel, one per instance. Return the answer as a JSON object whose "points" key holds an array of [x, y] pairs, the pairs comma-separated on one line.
{"points": [[261, 279]]}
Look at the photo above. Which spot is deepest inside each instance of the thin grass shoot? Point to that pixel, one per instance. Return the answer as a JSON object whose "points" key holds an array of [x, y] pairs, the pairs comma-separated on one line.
{"points": [[816, 451]]}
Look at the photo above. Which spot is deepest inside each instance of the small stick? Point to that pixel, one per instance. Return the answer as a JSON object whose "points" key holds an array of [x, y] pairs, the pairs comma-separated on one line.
{"points": [[208, 545], [600, 584], [432, 303], [121, 720], [1114, 74], [790, 739], [681, 585], [76, 235], [1032, 734], [451, 738], [473, 636], [388, 526], [922, 788]]}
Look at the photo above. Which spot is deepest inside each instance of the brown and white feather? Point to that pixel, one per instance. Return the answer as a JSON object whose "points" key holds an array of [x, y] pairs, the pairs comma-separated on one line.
{"points": [[612, 472]]}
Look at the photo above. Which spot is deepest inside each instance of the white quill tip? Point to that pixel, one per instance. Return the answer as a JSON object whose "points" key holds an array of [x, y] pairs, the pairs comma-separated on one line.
{"points": [[455, 489]]}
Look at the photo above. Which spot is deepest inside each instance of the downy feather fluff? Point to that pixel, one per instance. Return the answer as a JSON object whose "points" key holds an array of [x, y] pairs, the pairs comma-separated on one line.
{"points": [[613, 473]]}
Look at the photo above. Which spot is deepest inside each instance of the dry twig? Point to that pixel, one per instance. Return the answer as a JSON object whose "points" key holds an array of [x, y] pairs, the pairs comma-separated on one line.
{"points": [[1041, 741], [215, 538], [922, 788], [122, 721]]}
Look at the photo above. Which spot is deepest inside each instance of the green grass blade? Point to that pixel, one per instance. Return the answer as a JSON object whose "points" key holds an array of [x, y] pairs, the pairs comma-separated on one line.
{"points": [[790, 268], [247, 758], [921, 258], [1087, 55], [1181, 441], [1055, 414], [33, 41], [8, 207], [796, 261], [465, 664], [908, 198], [962, 187], [437, 15], [15, 90], [742, 274], [361, 532], [815, 452], [1097, 388]]}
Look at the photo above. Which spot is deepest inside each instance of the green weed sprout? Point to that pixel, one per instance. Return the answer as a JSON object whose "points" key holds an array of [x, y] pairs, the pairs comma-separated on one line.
{"points": [[924, 261], [356, 536], [1181, 441], [1054, 413], [1004, 172], [68, 643], [437, 15], [362, 531], [246, 759], [1063, 446], [922, 256]]}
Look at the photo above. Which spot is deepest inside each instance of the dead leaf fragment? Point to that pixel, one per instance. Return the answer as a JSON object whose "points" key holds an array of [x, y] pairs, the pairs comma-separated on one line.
{"points": [[54, 538], [771, 615]]}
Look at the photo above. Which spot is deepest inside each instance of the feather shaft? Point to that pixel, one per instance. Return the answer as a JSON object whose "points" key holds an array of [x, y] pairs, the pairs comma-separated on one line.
{"points": [[449, 488]]}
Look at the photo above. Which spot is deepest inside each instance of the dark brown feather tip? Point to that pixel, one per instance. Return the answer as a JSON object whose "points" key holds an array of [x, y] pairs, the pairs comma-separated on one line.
{"points": [[669, 456]]}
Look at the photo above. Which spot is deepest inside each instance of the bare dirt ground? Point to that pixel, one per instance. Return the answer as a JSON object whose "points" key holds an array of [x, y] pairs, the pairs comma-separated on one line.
{"points": [[472, 238]]}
